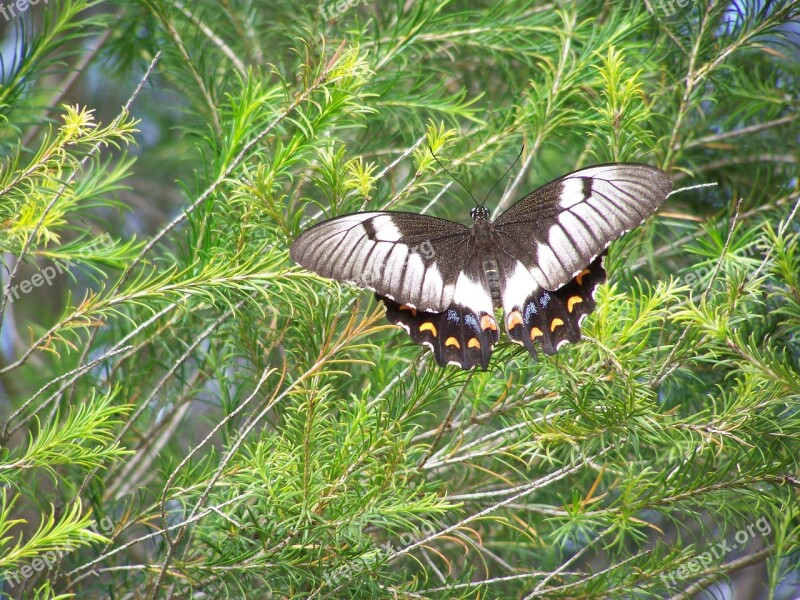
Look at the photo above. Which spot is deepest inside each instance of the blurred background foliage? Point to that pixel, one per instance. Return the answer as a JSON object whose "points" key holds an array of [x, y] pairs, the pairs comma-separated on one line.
{"points": [[185, 413]]}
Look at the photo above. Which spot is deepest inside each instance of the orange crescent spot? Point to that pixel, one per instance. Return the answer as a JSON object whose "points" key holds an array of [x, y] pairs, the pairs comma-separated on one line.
{"points": [[514, 319], [555, 323], [451, 341], [413, 310], [536, 332], [487, 322], [474, 343], [579, 277], [573, 301], [428, 327]]}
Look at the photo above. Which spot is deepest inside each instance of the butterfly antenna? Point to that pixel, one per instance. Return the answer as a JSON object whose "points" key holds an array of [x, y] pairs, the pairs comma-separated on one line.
{"points": [[521, 150], [453, 177]]}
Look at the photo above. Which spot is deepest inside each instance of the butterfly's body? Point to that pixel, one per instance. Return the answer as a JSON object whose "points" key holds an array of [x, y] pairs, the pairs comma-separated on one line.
{"points": [[539, 262], [483, 243], [490, 269]]}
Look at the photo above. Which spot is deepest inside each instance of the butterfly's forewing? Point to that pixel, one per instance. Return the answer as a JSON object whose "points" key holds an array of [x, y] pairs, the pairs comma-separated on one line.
{"points": [[559, 229], [414, 259]]}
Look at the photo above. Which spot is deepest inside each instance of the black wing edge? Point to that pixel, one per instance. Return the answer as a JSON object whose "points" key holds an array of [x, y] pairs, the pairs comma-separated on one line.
{"points": [[457, 336]]}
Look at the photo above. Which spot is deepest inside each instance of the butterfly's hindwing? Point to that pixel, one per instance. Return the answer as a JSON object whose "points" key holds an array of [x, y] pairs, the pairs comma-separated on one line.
{"points": [[551, 319], [458, 335], [465, 333], [560, 228], [404, 256]]}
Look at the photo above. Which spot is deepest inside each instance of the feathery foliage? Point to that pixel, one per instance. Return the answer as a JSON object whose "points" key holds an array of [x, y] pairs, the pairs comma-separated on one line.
{"points": [[185, 411]]}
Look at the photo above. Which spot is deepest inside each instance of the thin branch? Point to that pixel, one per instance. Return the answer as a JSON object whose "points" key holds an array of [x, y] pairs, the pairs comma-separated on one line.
{"points": [[215, 39], [718, 137]]}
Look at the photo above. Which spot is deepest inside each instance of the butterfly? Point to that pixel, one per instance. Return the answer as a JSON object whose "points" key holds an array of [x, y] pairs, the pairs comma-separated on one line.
{"points": [[540, 262]]}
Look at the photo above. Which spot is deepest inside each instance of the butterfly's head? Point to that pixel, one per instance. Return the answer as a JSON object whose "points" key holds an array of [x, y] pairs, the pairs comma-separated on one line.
{"points": [[479, 213]]}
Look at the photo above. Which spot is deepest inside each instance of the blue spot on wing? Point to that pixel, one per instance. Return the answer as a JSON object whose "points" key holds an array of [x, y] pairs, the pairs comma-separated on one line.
{"points": [[471, 321], [544, 300], [530, 310], [453, 317]]}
